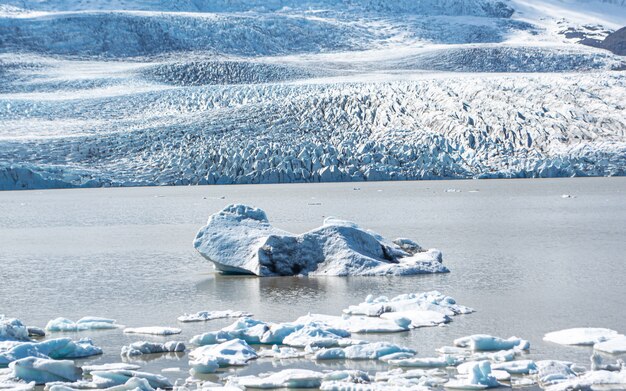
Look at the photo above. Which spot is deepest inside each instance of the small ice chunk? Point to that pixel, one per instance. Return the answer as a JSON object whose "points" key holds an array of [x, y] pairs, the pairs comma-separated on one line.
{"points": [[105, 379], [153, 330], [109, 367], [44, 370], [615, 345], [316, 335], [479, 377], [12, 329], [425, 301], [16, 386], [133, 384], [554, 371], [145, 347], [482, 342], [59, 348], [247, 329], [580, 336], [427, 362], [370, 351], [587, 381], [207, 359], [86, 323], [519, 367], [288, 378], [598, 364], [359, 324], [419, 318], [204, 316], [281, 353]]}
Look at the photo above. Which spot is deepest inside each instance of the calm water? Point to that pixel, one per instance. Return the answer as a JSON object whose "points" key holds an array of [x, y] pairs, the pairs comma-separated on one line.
{"points": [[528, 260]]}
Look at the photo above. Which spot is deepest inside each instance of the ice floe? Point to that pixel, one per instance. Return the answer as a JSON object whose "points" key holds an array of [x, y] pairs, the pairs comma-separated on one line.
{"points": [[367, 351], [580, 336], [482, 342], [425, 301], [153, 330], [611, 380], [109, 367], [240, 239], [554, 371], [86, 323], [13, 330], [59, 348], [599, 364], [281, 353], [146, 347], [288, 378], [615, 345], [519, 367], [204, 316], [427, 362], [44, 370], [207, 359], [478, 377], [133, 384], [118, 377]]}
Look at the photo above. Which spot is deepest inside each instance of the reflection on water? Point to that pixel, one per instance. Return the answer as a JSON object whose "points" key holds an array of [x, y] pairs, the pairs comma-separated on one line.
{"points": [[526, 259]]}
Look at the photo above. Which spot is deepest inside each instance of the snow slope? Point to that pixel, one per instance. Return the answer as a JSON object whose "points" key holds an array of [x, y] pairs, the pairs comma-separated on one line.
{"points": [[153, 92]]}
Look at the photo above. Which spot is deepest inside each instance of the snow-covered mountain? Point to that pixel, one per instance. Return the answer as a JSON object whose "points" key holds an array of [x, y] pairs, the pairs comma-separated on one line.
{"points": [[151, 92]]}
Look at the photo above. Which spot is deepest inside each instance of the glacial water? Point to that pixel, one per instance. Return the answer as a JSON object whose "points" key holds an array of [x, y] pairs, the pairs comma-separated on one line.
{"points": [[527, 259]]}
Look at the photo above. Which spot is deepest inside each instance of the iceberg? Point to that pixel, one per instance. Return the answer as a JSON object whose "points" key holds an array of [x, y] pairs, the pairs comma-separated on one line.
{"points": [[359, 324], [480, 377], [615, 345], [86, 323], [366, 351], [207, 359], [598, 364], [587, 381], [519, 367], [109, 367], [247, 329], [58, 349], [145, 347], [133, 384], [425, 301], [288, 378], [580, 336], [119, 377], [17, 386], [12, 329], [482, 342], [44, 370], [281, 353], [153, 330], [553, 371], [204, 316], [240, 240], [427, 362]]}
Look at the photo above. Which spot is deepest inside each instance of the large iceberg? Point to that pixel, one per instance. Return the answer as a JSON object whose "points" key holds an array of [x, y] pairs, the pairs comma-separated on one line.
{"points": [[43, 370], [60, 348], [239, 239]]}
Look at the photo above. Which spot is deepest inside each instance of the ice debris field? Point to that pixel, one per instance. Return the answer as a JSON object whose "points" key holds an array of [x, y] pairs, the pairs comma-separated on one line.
{"points": [[153, 92], [30, 359]]}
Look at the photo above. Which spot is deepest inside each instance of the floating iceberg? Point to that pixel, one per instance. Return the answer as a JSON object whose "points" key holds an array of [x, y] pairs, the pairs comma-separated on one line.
{"points": [[281, 353], [86, 323], [118, 377], [17, 386], [426, 301], [367, 351], [204, 316], [109, 367], [239, 239], [427, 362], [519, 367], [154, 330], [145, 347], [580, 336], [58, 349], [359, 324], [611, 380], [207, 359], [553, 371], [43, 370], [133, 384], [246, 329], [480, 377], [12, 330], [481, 342], [288, 378], [615, 345], [598, 364]]}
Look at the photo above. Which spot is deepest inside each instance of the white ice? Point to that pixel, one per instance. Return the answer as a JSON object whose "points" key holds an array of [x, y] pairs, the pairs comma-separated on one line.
{"points": [[43, 370], [145, 347], [367, 351], [359, 324], [12, 330], [427, 362], [288, 378], [133, 384], [482, 342], [118, 377], [554, 371], [153, 330], [86, 323], [281, 353], [240, 239], [580, 336], [615, 345], [59, 348], [204, 316], [425, 301], [206, 359], [519, 367], [479, 377], [109, 367], [611, 380]]}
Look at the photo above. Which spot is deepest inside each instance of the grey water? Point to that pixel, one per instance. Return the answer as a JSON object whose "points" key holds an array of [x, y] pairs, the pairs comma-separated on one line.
{"points": [[528, 260]]}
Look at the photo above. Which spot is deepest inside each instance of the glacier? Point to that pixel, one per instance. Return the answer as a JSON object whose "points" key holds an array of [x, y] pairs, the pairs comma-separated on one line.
{"points": [[135, 93], [240, 240]]}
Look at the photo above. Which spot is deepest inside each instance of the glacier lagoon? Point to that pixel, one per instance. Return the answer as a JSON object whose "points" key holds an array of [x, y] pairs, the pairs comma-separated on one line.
{"points": [[528, 259]]}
